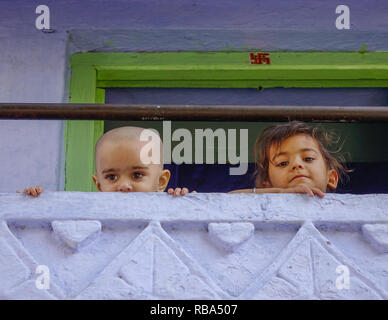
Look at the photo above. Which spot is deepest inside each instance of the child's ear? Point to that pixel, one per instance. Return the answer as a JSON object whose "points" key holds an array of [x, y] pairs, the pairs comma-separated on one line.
{"points": [[95, 180], [164, 178], [333, 179]]}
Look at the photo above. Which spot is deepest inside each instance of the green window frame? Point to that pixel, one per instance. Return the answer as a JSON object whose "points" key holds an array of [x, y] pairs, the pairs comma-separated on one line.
{"points": [[92, 73]]}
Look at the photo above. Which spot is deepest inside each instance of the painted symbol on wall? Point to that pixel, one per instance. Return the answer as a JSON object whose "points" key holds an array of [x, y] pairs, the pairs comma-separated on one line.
{"points": [[260, 58]]}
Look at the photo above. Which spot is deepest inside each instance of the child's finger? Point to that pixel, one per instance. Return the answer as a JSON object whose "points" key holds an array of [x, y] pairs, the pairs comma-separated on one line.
{"points": [[311, 193], [306, 189], [318, 192], [184, 191], [193, 191], [170, 191], [33, 192], [177, 192]]}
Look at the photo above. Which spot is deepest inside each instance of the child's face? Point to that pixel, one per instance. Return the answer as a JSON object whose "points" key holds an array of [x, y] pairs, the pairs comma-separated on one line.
{"points": [[299, 161], [119, 169]]}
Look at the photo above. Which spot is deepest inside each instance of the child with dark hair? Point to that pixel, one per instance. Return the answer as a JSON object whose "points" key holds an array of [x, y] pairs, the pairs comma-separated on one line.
{"points": [[295, 158]]}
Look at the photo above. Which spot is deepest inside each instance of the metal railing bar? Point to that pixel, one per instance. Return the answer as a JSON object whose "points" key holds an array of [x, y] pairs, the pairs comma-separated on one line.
{"points": [[67, 111]]}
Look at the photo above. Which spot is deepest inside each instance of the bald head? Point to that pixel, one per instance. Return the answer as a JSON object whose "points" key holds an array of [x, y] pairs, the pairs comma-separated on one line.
{"points": [[133, 135], [130, 159]]}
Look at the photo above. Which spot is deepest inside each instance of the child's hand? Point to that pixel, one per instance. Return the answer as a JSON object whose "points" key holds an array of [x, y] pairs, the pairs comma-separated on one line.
{"points": [[179, 192], [302, 188], [33, 191]]}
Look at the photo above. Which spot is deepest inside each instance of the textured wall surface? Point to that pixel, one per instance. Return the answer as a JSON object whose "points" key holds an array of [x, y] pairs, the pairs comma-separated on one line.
{"points": [[200, 246]]}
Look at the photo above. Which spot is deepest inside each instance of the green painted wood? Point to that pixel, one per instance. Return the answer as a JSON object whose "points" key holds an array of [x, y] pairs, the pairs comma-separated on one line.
{"points": [[244, 73], [81, 136], [233, 70], [227, 58], [83, 84], [245, 84], [98, 131]]}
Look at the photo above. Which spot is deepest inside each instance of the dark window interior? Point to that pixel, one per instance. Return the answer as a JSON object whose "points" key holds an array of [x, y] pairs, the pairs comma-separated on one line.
{"points": [[364, 143]]}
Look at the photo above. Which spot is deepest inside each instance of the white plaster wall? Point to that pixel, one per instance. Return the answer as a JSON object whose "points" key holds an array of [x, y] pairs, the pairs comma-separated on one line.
{"points": [[30, 154], [200, 246], [34, 65]]}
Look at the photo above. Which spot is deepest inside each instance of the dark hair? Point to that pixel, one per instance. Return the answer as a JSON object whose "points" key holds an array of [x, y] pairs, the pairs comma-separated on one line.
{"points": [[276, 134]]}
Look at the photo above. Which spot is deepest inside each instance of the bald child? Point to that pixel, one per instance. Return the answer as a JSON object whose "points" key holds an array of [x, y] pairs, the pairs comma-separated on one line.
{"points": [[128, 159]]}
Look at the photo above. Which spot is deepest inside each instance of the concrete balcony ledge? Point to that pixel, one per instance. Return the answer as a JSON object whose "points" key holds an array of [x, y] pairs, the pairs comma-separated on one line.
{"points": [[76, 245]]}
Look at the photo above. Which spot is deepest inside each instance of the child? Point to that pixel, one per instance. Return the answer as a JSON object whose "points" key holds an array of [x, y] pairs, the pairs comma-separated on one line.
{"points": [[120, 167], [293, 158]]}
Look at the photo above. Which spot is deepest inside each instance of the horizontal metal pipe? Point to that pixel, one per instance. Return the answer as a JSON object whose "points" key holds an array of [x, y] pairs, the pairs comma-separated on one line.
{"points": [[231, 113]]}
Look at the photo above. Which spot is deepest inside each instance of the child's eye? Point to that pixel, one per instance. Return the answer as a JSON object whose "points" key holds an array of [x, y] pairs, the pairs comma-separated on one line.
{"points": [[282, 164], [308, 159], [138, 175], [111, 177]]}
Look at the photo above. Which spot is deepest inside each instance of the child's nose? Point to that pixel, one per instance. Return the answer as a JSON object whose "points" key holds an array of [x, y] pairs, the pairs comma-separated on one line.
{"points": [[125, 187], [297, 164]]}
